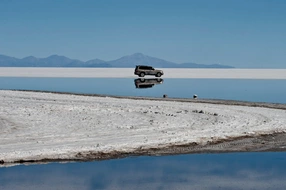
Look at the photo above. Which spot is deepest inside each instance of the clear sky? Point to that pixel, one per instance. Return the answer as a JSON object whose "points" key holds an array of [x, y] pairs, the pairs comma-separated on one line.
{"points": [[240, 33]]}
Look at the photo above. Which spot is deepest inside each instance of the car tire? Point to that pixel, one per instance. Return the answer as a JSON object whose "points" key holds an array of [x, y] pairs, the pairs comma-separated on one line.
{"points": [[142, 74], [142, 80], [158, 75]]}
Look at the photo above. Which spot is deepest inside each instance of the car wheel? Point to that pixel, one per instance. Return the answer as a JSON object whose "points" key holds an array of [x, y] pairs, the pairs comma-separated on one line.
{"points": [[158, 74], [142, 80], [142, 74]]}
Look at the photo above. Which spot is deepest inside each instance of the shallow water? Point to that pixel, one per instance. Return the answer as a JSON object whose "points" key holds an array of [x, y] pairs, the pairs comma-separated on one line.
{"points": [[194, 171], [232, 89]]}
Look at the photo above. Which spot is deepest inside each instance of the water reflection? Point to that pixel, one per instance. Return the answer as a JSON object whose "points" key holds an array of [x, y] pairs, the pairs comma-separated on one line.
{"points": [[241, 89], [196, 171], [147, 82]]}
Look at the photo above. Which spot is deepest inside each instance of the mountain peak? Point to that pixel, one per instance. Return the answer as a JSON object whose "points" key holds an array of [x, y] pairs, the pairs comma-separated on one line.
{"points": [[95, 61], [30, 58], [140, 59], [138, 55], [56, 56]]}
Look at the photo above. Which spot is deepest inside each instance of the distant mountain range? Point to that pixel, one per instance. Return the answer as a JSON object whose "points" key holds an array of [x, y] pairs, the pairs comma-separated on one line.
{"points": [[129, 61]]}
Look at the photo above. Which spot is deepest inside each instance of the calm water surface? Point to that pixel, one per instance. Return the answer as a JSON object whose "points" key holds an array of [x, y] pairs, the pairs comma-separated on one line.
{"points": [[232, 89], [195, 171]]}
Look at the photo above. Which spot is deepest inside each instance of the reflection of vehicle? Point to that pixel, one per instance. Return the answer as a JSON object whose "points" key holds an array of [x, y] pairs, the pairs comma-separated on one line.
{"points": [[142, 70], [147, 83]]}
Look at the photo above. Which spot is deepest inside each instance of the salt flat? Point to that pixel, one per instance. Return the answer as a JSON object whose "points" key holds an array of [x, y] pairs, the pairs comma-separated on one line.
{"points": [[128, 73], [38, 126]]}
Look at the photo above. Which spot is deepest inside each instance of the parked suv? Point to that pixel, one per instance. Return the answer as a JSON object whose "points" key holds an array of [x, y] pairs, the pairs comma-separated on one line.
{"points": [[142, 70]]}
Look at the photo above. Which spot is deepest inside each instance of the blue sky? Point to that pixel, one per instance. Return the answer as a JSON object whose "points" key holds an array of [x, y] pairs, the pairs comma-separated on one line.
{"points": [[240, 33]]}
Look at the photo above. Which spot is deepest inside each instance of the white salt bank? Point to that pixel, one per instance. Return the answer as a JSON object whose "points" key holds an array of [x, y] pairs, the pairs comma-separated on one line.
{"points": [[37, 126]]}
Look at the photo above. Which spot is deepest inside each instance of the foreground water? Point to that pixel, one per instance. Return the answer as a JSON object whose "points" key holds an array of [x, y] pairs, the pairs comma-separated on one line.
{"points": [[195, 171]]}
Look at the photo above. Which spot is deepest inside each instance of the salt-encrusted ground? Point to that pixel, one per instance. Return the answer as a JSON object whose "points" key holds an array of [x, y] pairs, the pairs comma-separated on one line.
{"points": [[129, 73], [42, 126]]}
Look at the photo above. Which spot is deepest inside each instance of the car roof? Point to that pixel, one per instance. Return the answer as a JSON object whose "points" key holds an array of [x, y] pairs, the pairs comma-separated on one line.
{"points": [[144, 66]]}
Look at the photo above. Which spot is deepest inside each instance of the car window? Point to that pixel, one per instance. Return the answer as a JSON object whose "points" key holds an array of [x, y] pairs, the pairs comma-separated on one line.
{"points": [[145, 68]]}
